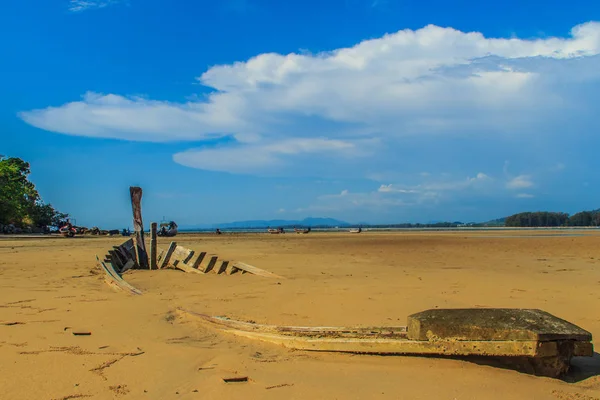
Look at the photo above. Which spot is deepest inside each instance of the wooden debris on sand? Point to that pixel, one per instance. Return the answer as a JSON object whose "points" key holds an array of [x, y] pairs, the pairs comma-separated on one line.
{"points": [[235, 379], [541, 340]]}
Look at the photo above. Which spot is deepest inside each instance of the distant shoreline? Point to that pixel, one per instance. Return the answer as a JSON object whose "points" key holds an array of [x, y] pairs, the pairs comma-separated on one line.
{"points": [[423, 229], [319, 230]]}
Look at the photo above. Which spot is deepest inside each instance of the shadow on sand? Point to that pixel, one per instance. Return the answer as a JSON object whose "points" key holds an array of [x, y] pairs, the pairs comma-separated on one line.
{"points": [[582, 368]]}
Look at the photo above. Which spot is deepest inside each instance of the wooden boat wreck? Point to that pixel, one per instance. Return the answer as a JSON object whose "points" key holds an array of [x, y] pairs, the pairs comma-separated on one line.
{"points": [[545, 342], [125, 257]]}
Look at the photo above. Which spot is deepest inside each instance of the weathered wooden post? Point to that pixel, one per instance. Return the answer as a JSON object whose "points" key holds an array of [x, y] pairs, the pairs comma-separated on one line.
{"points": [[153, 228], [136, 205]]}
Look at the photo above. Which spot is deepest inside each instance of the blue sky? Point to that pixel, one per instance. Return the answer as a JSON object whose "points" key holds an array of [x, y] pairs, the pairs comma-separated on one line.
{"points": [[363, 110]]}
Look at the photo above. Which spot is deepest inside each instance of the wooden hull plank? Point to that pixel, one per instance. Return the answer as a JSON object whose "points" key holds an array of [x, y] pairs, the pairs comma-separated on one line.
{"points": [[408, 347], [223, 322], [186, 268], [182, 254], [116, 279], [255, 271]]}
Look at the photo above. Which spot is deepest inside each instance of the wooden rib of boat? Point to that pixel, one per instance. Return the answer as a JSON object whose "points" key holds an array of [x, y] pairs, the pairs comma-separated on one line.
{"points": [[114, 279]]}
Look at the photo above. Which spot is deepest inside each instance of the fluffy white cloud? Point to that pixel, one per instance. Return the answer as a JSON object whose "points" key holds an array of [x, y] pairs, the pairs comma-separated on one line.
{"points": [[520, 182], [279, 109]]}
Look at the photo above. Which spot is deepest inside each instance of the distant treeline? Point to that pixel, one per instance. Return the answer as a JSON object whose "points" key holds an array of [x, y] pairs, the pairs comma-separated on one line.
{"points": [[545, 218]]}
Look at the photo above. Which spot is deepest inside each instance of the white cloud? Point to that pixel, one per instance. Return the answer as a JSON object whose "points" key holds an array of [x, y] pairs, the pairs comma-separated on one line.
{"points": [[390, 196], [82, 5], [437, 185], [270, 158], [524, 196], [392, 189], [520, 182], [280, 109]]}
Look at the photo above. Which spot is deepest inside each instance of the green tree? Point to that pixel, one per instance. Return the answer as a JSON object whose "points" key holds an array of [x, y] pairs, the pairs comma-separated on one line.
{"points": [[20, 202]]}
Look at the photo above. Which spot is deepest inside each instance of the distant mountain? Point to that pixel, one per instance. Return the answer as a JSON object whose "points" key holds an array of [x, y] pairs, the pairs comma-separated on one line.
{"points": [[274, 223]]}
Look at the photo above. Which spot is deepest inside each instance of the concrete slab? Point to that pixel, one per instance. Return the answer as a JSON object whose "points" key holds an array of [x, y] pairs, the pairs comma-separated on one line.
{"points": [[492, 324]]}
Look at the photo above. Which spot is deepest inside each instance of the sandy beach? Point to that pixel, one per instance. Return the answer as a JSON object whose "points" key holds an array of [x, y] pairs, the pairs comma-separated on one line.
{"points": [[140, 348]]}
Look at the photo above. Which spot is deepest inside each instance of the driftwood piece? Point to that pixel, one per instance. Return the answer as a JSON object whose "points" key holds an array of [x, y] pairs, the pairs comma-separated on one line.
{"points": [[153, 234], [164, 262], [136, 205], [236, 379]]}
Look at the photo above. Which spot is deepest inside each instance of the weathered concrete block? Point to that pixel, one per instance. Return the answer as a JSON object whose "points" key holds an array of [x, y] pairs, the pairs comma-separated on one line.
{"points": [[492, 324]]}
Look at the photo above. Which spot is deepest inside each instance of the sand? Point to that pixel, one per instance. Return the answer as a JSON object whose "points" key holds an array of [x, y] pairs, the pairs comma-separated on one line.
{"points": [[140, 349]]}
